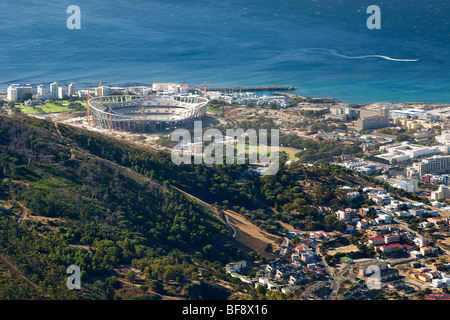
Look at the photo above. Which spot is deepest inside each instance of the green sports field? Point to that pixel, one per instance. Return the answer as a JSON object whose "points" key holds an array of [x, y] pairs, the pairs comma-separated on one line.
{"points": [[50, 107]]}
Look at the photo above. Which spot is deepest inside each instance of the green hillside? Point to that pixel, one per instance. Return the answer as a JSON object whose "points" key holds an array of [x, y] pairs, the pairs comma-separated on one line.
{"points": [[60, 205]]}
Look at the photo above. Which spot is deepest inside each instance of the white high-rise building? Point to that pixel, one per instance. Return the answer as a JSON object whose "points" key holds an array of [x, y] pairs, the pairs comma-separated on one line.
{"points": [[71, 91], [62, 92], [42, 92], [54, 89], [105, 91], [12, 93], [15, 92]]}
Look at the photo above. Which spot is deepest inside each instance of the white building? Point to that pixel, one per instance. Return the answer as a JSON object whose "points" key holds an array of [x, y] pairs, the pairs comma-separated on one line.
{"points": [[54, 89], [410, 186], [405, 151], [12, 93], [411, 113], [105, 91], [62, 92], [170, 87], [433, 165], [421, 241], [384, 218], [15, 92], [71, 89], [42, 92], [442, 193]]}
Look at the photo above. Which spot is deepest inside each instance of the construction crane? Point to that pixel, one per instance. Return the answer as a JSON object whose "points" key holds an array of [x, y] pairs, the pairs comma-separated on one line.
{"points": [[200, 90], [110, 117], [88, 114]]}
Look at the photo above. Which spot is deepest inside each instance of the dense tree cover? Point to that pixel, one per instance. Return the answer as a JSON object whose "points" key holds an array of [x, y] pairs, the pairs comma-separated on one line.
{"points": [[109, 203], [101, 217], [251, 195], [319, 150], [217, 106]]}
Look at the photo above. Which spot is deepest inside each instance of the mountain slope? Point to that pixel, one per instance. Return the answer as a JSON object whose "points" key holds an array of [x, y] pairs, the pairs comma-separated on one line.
{"points": [[92, 212]]}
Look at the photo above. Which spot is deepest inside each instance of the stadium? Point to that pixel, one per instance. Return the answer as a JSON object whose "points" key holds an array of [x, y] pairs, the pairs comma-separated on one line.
{"points": [[150, 114]]}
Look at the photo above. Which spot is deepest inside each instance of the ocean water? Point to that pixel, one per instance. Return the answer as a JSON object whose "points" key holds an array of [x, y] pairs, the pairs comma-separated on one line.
{"points": [[322, 47]]}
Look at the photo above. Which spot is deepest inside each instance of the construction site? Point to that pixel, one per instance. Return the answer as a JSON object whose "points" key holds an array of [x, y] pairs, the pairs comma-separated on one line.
{"points": [[154, 113]]}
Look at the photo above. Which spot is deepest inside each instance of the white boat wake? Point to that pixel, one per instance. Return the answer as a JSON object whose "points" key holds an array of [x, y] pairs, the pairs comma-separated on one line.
{"points": [[335, 53]]}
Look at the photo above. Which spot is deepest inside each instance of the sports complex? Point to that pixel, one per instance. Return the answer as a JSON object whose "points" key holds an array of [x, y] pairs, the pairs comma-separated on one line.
{"points": [[149, 114]]}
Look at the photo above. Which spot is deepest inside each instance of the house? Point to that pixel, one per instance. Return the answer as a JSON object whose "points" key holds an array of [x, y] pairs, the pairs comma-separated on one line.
{"points": [[376, 241], [376, 231], [425, 251], [422, 277], [391, 238], [416, 254], [437, 221], [352, 291], [293, 234], [366, 271], [417, 212], [315, 287], [273, 266], [391, 247], [283, 272], [383, 218], [262, 281], [346, 214], [364, 211], [350, 228], [353, 195], [388, 274], [396, 285], [364, 223], [380, 190], [236, 266], [426, 224], [433, 275], [287, 289], [295, 256], [421, 241], [296, 278], [273, 285]]}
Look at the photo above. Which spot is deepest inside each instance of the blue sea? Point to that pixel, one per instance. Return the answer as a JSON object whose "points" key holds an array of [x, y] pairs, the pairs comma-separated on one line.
{"points": [[322, 47]]}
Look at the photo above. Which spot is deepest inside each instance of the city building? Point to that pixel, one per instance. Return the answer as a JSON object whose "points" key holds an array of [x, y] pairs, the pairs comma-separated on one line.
{"points": [[15, 92], [343, 113], [62, 92], [412, 114], [54, 89], [71, 89], [372, 119], [410, 186], [346, 214], [405, 151], [170, 88], [433, 165], [12, 93], [42, 92], [441, 194]]}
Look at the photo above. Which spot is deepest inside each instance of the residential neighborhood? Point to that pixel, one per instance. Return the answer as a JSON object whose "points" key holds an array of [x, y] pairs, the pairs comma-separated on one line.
{"points": [[377, 254]]}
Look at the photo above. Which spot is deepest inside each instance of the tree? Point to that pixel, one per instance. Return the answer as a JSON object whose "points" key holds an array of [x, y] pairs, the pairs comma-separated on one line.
{"points": [[26, 96], [131, 276]]}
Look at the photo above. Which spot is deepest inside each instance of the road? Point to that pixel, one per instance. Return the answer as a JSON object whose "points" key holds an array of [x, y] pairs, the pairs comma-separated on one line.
{"points": [[407, 228], [334, 282], [284, 247]]}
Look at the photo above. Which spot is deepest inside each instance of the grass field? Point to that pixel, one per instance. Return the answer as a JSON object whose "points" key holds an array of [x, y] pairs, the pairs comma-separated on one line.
{"points": [[50, 107], [290, 151]]}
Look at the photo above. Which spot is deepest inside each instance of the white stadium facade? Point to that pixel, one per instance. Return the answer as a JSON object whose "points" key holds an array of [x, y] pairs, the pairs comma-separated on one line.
{"points": [[149, 114]]}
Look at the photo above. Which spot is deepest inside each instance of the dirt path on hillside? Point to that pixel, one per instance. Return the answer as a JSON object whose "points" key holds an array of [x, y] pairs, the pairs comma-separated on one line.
{"points": [[17, 272]]}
